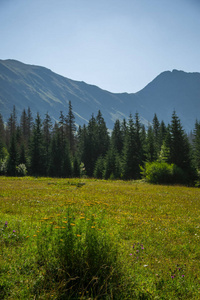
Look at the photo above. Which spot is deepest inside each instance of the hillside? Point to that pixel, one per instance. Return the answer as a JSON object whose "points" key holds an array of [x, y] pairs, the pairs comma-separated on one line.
{"points": [[44, 91]]}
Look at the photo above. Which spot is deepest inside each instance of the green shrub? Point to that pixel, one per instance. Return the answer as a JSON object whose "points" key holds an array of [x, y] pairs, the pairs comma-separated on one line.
{"points": [[158, 172], [21, 170], [164, 173], [79, 259]]}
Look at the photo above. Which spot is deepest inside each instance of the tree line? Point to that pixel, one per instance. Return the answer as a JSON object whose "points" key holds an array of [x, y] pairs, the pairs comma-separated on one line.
{"points": [[40, 148]]}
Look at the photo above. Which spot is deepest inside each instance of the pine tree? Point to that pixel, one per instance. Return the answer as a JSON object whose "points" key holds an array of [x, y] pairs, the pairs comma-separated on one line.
{"points": [[62, 128], [47, 128], [156, 129], [90, 148], [76, 167], [117, 137], [139, 146], [22, 154], [2, 138], [29, 124], [151, 151], [11, 125], [23, 125], [71, 129], [196, 144], [102, 135], [66, 162], [37, 150], [99, 168], [13, 157], [161, 134], [2, 130], [55, 160], [179, 145], [130, 167]]}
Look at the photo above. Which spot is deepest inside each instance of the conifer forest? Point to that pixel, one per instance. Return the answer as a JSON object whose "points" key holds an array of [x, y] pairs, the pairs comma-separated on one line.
{"points": [[161, 153]]}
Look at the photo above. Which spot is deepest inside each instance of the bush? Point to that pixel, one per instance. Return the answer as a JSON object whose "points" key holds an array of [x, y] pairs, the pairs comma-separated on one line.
{"points": [[3, 166], [164, 173], [157, 172], [79, 259], [21, 170]]}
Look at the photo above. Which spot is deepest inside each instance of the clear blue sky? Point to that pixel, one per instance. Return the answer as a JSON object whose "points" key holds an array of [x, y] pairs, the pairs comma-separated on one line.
{"points": [[118, 45]]}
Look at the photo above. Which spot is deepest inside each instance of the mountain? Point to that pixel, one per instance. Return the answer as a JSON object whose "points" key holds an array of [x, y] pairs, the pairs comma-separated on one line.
{"points": [[44, 91]]}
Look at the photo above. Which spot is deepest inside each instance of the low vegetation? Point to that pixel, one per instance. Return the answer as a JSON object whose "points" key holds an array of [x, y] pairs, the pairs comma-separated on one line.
{"points": [[98, 239]]}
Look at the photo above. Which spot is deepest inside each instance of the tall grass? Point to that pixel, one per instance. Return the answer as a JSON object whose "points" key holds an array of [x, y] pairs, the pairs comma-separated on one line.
{"points": [[90, 239]]}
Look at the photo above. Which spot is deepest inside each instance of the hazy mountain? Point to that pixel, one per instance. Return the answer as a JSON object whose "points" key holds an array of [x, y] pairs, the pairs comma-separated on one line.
{"points": [[44, 91]]}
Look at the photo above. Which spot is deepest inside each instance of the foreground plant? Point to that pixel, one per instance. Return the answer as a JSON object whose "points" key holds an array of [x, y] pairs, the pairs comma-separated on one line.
{"points": [[78, 258]]}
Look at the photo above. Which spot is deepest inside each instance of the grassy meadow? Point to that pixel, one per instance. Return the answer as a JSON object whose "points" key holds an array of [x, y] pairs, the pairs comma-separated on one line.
{"points": [[96, 239]]}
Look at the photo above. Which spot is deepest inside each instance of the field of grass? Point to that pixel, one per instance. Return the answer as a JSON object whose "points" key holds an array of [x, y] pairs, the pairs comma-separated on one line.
{"points": [[95, 239]]}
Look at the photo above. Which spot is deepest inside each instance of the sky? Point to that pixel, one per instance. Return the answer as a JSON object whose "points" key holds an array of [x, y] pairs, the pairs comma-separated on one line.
{"points": [[118, 45]]}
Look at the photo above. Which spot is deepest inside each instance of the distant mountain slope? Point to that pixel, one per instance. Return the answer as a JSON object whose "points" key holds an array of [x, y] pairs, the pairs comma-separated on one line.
{"points": [[44, 91], [176, 90]]}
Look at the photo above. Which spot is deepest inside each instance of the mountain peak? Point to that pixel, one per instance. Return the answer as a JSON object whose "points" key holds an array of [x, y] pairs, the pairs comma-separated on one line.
{"points": [[44, 91]]}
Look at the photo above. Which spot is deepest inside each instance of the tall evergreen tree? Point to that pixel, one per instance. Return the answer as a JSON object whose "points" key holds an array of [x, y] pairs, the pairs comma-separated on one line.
{"points": [[13, 157], [11, 125], [56, 154], [102, 135], [24, 125], [2, 130], [47, 128], [156, 129], [66, 162], [139, 145], [76, 167], [130, 167], [161, 134], [196, 144], [117, 137], [151, 151], [37, 149], [71, 129], [62, 128], [90, 149], [179, 145], [29, 124]]}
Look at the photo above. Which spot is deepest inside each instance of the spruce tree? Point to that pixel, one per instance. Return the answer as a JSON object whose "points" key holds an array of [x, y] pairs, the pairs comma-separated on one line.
{"points": [[156, 130], [179, 145], [71, 129], [196, 144], [66, 161], [130, 167], [102, 135], [47, 129], [117, 137], [151, 151], [37, 149], [13, 157], [76, 167], [56, 153], [90, 149], [11, 125]]}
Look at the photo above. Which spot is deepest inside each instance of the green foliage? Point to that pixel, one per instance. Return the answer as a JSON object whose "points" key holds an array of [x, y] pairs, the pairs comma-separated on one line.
{"points": [[76, 167], [21, 170], [164, 173], [78, 253], [99, 168], [56, 151], [156, 172], [3, 166], [12, 158]]}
